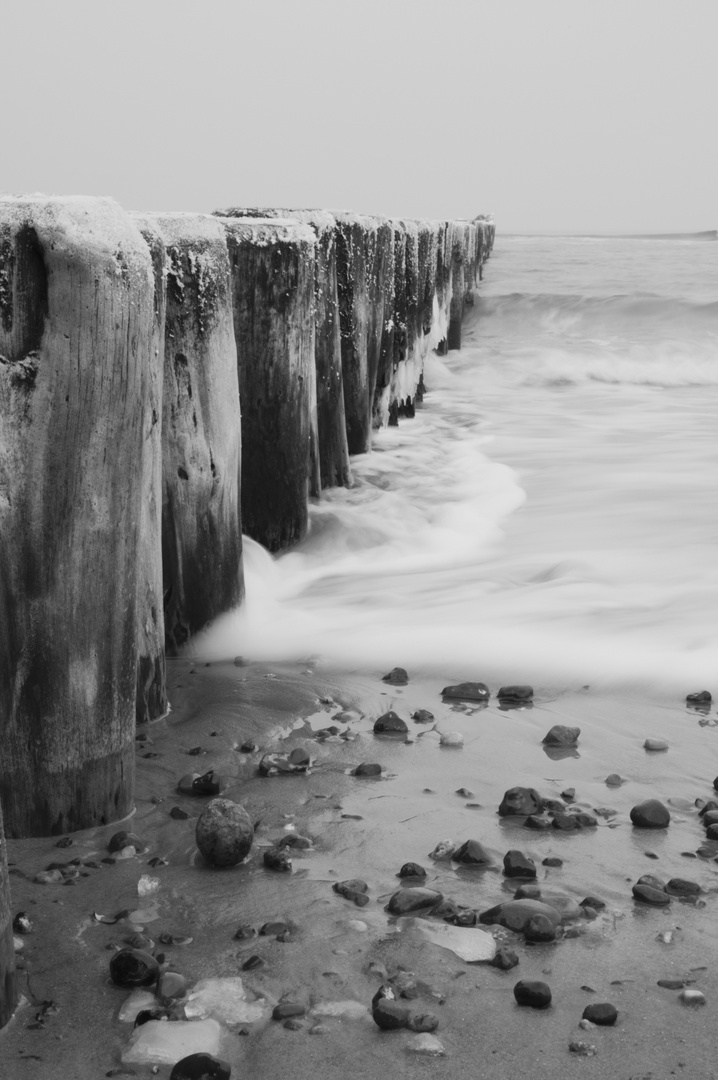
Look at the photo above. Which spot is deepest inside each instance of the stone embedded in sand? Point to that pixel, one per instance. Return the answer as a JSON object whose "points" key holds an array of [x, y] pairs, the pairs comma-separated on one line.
{"points": [[561, 735], [535, 994], [121, 840], [650, 814], [514, 914], [703, 697], [683, 887], [171, 985], [655, 744], [396, 677], [467, 691], [472, 853], [613, 780], [452, 738], [367, 769], [530, 891], [521, 800], [224, 832], [444, 851], [287, 1009], [552, 860], [297, 761], [201, 1067], [422, 716], [709, 818], [692, 997], [515, 693], [405, 900], [649, 894], [534, 821], [711, 834], [275, 858], [390, 1015], [426, 1044], [412, 869], [601, 1012], [516, 864], [565, 822], [539, 928], [390, 723], [354, 889], [22, 923], [423, 1022], [505, 959], [592, 902], [133, 967]]}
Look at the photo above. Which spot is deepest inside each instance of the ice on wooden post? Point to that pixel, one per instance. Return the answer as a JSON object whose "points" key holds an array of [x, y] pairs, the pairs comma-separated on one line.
{"points": [[272, 264], [201, 436], [76, 340], [8, 980], [151, 702]]}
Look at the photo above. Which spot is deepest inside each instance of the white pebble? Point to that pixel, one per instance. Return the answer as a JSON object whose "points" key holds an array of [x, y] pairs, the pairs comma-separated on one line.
{"points": [[358, 925], [452, 738], [426, 1044], [17, 943], [692, 997], [587, 1025], [147, 885]]}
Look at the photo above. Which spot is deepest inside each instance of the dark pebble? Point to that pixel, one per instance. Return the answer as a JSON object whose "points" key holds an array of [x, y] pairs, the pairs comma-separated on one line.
{"points": [[520, 800], [124, 839], [671, 984], [561, 735], [178, 813], [467, 691], [565, 822], [277, 859], [422, 716], [252, 963], [390, 723], [244, 933], [248, 747], [504, 959], [406, 900], [66, 841], [682, 887], [703, 697], [273, 929], [412, 869], [133, 967], [287, 1009], [533, 993], [534, 821], [647, 894], [390, 1015], [528, 892], [515, 693], [539, 928], [396, 677], [367, 769], [601, 1012], [195, 751], [650, 814], [22, 923], [552, 860], [516, 864], [593, 902], [472, 853]]}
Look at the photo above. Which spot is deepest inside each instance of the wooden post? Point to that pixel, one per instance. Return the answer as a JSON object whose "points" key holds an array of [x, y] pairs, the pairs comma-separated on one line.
{"points": [[8, 982], [76, 336], [273, 294], [457, 254], [151, 701], [352, 235], [201, 521]]}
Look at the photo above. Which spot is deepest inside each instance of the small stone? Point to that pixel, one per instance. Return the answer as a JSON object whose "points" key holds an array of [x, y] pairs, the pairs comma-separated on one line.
{"points": [[565, 822], [277, 859], [390, 723], [351, 888], [711, 834], [561, 735], [248, 747], [195, 751], [406, 900], [65, 841], [274, 928], [515, 914], [252, 962], [244, 933], [529, 891], [671, 984], [584, 1049], [682, 887], [520, 800], [412, 869], [443, 851], [133, 967], [49, 877], [422, 716], [452, 738], [239, 661], [367, 769], [569, 794], [122, 840], [535, 994], [552, 860], [592, 902], [464, 793], [423, 1022], [539, 824], [613, 780], [516, 864], [648, 894], [467, 691], [396, 677], [286, 1009], [389, 1015], [601, 1012], [703, 697], [208, 783], [426, 1044], [692, 997], [655, 744], [504, 958], [298, 761], [201, 1067], [515, 693], [296, 841], [539, 929], [178, 813], [224, 833], [171, 985], [22, 923], [650, 814], [472, 853]]}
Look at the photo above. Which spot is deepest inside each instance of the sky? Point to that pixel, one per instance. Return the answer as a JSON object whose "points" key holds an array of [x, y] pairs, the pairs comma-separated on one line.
{"points": [[553, 115]]}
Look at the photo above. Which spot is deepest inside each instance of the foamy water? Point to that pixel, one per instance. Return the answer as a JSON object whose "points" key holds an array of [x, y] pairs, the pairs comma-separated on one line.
{"points": [[551, 513]]}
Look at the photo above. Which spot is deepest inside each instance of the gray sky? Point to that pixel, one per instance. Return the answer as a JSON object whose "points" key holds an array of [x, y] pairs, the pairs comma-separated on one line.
{"points": [[554, 115]]}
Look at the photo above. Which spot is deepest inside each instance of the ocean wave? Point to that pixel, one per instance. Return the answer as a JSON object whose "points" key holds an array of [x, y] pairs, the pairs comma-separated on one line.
{"points": [[562, 313], [662, 364]]}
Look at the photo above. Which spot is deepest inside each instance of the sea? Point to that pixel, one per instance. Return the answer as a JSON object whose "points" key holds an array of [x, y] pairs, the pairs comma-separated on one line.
{"points": [[551, 512]]}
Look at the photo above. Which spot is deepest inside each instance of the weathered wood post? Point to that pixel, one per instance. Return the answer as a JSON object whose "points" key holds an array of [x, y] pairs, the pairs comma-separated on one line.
{"points": [[352, 234], [8, 982], [380, 305], [272, 264], [76, 340], [151, 702], [456, 245], [201, 520]]}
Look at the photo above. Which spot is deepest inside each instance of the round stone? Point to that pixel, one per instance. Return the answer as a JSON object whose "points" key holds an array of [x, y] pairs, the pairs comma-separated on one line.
{"points": [[601, 1012], [201, 1067], [648, 894], [650, 814], [133, 967], [389, 1015], [533, 993], [467, 691], [540, 929], [224, 832], [22, 923], [390, 723], [412, 869]]}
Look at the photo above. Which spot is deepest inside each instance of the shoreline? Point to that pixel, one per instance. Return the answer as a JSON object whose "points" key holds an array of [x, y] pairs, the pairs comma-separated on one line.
{"points": [[367, 828]]}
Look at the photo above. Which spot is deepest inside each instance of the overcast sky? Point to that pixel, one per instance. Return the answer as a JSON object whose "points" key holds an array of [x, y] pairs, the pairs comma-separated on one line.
{"points": [[554, 115]]}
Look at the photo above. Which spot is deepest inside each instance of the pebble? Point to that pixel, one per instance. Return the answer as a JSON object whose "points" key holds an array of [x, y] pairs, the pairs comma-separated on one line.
{"points": [[671, 984], [412, 869], [514, 914], [533, 821], [601, 1012], [426, 1044], [354, 889], [297, 761], [504, 958], [122, 840], [22, 923], [208, 783], [613, 780], [584, 1049], [472, 853], [133, 967], [682, 887], [244, 933], [692, 997], [273, 929], [406, 900], [539, 929], [224, 833], [389, 1015], [655, 744], [452, 738], [561, 735], [171, 985], [650, 814], [367, 769], [396, 677], [277, 859], [390, 723], [650, 895], [467, 691], [702, 697], [423, 1022], [49, 877], [535, 994], [201, 1067], [443, 851], [515, 693], [552, 860], [520, 800], [422, 716], [516, 864], [287, 1009], [178, 813]]}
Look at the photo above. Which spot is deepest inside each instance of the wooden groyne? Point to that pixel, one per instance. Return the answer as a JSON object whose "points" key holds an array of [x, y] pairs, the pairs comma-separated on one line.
{"points": [[168, 381]]}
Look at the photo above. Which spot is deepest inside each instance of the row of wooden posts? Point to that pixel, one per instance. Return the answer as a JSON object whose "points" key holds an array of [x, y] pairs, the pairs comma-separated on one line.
{"points": [[129, 343]]}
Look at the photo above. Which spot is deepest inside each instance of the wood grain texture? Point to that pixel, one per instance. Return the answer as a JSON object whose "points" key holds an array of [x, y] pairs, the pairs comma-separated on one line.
{"points": [[8, 978], [201, 430], [76, 331]]}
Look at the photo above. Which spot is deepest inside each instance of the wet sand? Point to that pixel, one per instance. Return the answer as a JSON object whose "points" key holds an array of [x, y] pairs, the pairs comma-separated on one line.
{"points": [[368, 828]]}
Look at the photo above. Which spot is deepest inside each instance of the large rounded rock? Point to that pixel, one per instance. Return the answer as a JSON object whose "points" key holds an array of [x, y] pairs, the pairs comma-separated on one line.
{"points": [[650, 814], [520, 800], [201, 1067], [224, 832], [390, 723], [535, 994], [405, 900], [133, 967]]}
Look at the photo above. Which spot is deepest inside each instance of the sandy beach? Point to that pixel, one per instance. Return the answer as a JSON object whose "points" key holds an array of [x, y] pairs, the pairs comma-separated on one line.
{"points": [[367, 828]]}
